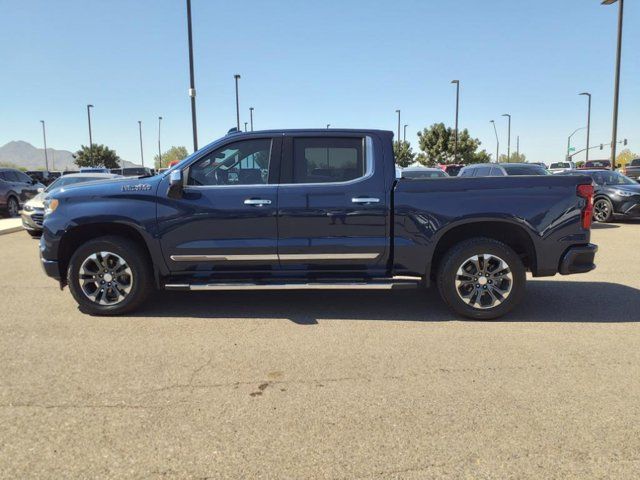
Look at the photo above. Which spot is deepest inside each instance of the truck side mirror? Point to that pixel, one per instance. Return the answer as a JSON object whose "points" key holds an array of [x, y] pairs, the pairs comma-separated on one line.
{"points": [[175, 184]]}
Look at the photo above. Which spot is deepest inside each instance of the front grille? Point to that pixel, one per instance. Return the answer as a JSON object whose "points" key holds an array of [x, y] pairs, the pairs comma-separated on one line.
{"points": [[38, 218]]}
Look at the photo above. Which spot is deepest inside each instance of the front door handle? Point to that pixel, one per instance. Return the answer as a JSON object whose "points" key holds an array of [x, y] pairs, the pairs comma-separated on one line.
{"points": [[257, 202], [365, 200]]}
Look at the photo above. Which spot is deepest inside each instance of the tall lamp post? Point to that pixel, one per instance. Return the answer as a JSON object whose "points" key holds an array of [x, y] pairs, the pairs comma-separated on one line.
{"points": [[508, 137], [328, 125], [588, 95], [237, 77], [493, 122], [245, 126], [616, 94], [89, 107], [404, 133], [192, 81], [455, 147], [399, 138], [251, 117], [141, 151], [518, 147], [159, 149], [44, 137]]}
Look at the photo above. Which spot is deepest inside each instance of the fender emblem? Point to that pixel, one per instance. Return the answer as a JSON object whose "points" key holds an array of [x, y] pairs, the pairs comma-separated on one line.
{"points": [[140, 187]]}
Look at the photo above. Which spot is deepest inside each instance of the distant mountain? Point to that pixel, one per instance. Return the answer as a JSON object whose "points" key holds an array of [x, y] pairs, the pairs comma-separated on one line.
{"points": [[23, 154]]}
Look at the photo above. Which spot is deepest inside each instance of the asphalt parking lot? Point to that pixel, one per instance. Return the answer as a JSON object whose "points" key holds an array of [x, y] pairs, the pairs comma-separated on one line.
{"points": [[323, 385]]}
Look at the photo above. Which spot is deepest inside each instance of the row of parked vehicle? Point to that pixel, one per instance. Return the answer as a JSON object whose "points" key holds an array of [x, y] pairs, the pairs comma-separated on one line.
{"points": [[47, 177]]}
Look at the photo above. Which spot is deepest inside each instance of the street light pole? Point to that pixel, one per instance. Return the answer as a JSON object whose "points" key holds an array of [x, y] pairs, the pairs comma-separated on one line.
{"points": [[245, 126], [44, 137], [588, 95], [455, 147], [328, 125], [89, 107], [569, 140], [159, 149], [518, 147], [192, 81], [508, 137], [251, 117], [399, 138], [493, 122], [237, 77], [616, 94], [404, 134], [141, 151]]}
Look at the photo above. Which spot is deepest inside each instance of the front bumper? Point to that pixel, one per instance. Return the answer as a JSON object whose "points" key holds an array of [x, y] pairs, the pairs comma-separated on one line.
{"points": [[50, 267], [32, 220], [578, 259]]}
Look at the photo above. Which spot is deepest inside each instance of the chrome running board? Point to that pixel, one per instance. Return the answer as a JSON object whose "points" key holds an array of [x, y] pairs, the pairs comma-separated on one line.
{"points": [[383, 284]]}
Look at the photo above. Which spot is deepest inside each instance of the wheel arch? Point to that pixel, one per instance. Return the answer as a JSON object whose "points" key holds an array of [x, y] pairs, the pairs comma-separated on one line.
{"points": [[76, 236], [511, 234]]}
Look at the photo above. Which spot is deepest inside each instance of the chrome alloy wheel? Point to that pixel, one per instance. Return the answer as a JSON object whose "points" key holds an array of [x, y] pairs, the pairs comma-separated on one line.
{"points": [[484, 281], [105, 278], [601, 210]]}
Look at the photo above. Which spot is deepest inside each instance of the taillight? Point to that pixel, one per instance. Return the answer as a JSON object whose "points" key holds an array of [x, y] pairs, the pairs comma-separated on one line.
{"points": [[586, 192]]}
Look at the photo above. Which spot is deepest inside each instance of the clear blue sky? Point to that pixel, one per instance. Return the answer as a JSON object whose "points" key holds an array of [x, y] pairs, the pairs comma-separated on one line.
{"points": [[305, 64]]}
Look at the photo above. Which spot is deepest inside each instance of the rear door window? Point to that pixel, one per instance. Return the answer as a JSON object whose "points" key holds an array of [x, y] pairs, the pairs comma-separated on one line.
{"points": [[327, 160]]}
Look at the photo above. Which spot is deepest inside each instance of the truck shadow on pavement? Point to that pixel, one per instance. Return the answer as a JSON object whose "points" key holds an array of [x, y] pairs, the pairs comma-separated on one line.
{"points": [[545, 301]]}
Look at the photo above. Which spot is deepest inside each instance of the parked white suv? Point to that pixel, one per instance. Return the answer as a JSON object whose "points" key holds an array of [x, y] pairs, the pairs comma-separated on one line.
{"points": [[560, 167]]}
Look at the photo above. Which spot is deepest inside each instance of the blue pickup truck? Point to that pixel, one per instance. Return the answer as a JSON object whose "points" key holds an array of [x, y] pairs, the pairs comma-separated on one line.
{"points": [[314, 209]]}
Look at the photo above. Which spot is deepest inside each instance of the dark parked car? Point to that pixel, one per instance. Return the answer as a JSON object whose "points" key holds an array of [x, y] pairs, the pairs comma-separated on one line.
{"points": [[502, 170], [632, 170], [615, 194], [16, 188], [423, 172], [596, 165], [313, 209], [33, 210]]}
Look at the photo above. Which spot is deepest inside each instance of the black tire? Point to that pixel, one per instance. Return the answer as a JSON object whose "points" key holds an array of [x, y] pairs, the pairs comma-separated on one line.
{"points": [[35, 233], [140, 278], [603, 210], [491, 298], [13, 207]]}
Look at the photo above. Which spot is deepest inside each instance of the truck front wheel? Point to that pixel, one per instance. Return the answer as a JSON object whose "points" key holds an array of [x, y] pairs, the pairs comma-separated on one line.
{"points": [[481, 278], [109, 276]]}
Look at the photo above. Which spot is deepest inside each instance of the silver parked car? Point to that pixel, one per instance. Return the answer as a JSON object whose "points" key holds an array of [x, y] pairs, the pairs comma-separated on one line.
{"points": [[33, 211]]}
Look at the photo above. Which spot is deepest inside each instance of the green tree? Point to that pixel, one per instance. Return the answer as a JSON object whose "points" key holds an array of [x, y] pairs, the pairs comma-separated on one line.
{"points": [[625, 156], [438, 144], [515, 158], [96, 156], [404, 153], [173, 154]]}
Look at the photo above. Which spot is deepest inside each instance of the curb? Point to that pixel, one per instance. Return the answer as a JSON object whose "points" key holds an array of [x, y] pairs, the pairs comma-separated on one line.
{"points": [[11, 230]]}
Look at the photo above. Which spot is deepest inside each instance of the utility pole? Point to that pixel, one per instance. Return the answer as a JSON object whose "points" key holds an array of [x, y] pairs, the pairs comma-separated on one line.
{"points": [[159, 149], [508, 137], [192, 82], [89, 107], [518, 147], [399, 138], [455, 147], [493, 122], [237, 77], [588, 95], [251, 117], [616, 94], [404, 136], [141, 151], [44, 137]]}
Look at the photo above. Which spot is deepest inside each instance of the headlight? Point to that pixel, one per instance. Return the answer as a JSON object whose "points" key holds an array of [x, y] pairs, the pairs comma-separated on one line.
{"points": [[624, 193], [50, 206], [28, 207]]}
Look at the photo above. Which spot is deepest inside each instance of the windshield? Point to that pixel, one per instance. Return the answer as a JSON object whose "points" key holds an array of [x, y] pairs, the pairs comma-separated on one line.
{"points": [[560, 165], [66, 181], [524, 169], [635, 163], [612, 178]]}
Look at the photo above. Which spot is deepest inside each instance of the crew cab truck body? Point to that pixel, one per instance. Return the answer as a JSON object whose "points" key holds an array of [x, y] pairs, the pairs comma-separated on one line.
{"points": [[314, 209]]}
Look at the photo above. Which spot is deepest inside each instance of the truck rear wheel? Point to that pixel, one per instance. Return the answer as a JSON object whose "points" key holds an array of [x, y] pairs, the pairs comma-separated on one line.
{"points": [[481, 278], [109, 276]]}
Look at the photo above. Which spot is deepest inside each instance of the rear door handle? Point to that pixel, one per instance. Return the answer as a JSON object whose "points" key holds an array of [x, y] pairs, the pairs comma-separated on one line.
{"points": [[257, 202], [365, 200]]}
